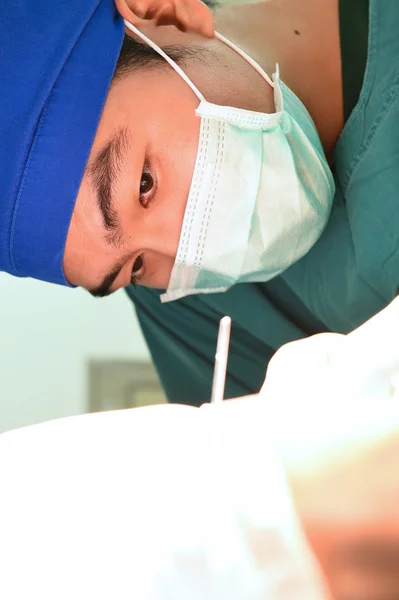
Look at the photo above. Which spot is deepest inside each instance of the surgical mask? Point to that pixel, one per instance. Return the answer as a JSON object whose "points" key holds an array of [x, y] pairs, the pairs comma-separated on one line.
{"points": [[261, 192]]}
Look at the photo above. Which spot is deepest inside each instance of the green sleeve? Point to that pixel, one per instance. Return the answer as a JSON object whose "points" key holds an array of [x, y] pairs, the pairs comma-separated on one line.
{"points": [[354, 31], [182, 337]]}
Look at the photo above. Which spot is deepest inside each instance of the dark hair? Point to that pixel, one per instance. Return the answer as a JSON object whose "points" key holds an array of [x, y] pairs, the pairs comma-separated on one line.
{"points": [[136, 55]]}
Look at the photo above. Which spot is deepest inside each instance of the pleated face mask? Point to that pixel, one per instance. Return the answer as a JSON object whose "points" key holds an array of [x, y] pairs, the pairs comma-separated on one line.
{"points": [[261, 192]]}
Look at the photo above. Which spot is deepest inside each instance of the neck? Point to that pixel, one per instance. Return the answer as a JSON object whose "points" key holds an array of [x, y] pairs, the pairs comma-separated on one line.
{"points": [[304, 40]]}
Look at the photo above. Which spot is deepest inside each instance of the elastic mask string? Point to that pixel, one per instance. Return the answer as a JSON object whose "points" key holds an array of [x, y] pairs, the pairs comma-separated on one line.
{"points": [[167, 58], [246, 57], [183, 75]]}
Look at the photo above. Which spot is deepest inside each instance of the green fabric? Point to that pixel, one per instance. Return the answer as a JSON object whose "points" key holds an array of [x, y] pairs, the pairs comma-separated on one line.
{"points": [[349, 275], [354, 31]]}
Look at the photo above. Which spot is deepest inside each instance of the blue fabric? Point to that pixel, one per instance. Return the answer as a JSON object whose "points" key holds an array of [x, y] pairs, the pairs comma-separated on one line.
{"points": [[350, 274], [57, 59]]}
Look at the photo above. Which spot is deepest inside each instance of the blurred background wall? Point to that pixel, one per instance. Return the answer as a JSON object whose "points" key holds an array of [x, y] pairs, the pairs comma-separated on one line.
{"points": [[48, 336]]}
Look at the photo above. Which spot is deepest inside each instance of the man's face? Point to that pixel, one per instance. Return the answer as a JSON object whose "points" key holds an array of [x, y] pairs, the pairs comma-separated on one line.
{"points": [[131, 202]]}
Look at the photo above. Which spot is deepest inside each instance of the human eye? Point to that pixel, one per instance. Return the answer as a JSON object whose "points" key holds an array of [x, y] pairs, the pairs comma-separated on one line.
{"points": [[147, 185]]}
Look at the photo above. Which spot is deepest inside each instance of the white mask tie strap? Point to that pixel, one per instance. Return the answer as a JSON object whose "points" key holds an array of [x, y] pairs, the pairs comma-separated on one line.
{"points": [[246, 57], [167, 58]]}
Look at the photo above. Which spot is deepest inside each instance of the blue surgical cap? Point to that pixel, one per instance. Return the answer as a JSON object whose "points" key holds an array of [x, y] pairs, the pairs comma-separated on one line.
{"points": [[57, 58]]}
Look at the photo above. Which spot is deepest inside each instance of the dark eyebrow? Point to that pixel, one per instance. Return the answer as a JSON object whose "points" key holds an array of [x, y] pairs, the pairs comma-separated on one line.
{"points": [[103, 289], [104, 171]]}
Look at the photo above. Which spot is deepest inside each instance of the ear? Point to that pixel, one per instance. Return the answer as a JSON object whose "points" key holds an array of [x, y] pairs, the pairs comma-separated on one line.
{"points": [[127, 13]]}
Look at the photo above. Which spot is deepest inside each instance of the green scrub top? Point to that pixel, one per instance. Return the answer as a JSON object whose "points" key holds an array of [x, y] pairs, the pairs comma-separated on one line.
{"points": [[350, 274]]}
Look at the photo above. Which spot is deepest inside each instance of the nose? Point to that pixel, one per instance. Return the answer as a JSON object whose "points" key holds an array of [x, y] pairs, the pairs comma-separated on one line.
{"points": [[160, 235]]}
